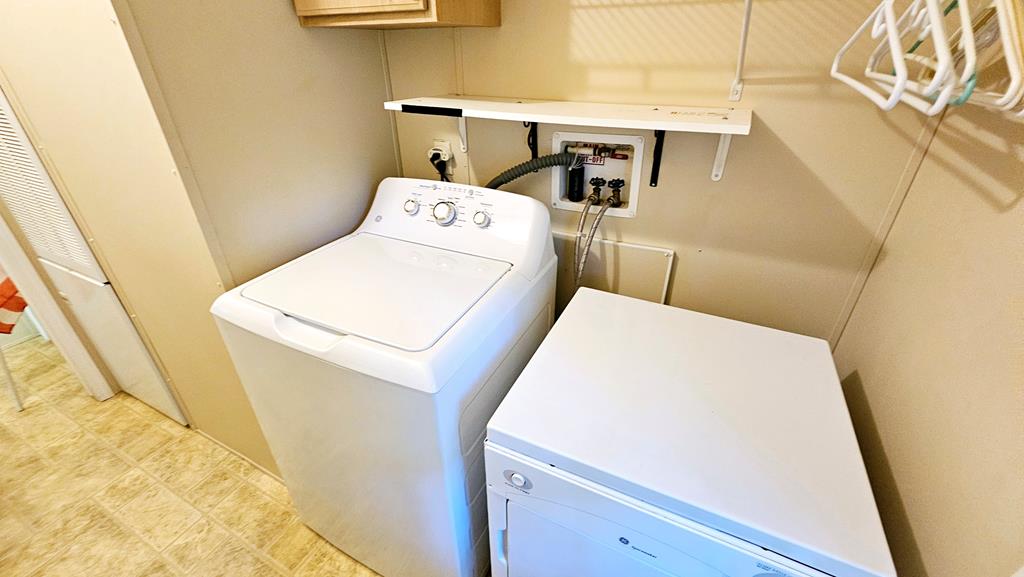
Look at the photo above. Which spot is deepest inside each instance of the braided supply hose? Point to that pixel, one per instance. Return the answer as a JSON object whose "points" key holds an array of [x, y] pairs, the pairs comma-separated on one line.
{"points": [[579, 232], [590, 240]]}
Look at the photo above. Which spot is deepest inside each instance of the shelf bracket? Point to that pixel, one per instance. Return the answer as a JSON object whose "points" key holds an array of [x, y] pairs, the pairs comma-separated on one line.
{"points": [[463, 135], [531, 140], [736, 92], [723, 152], [442, 111], [659, 145]]}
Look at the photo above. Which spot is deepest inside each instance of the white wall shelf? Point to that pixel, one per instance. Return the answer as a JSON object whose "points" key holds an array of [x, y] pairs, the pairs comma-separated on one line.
{"points": [[725, 122]]}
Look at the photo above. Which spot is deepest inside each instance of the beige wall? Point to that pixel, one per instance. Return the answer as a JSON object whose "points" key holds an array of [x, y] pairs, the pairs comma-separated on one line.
{"points": [[68, 68], [933, 357], [279, 130], [782, 239]]}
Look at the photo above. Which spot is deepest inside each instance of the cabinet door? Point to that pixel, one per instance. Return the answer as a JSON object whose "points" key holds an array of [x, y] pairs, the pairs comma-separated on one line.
{"points": [[321, 7]]}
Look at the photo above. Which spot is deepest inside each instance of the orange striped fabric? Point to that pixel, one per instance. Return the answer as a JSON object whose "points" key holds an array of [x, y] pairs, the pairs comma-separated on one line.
{"points": [[11, 306]]}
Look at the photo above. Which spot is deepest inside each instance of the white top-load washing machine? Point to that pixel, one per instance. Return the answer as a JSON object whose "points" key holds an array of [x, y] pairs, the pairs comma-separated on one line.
{"points": [[374, 362], [644, 440]]}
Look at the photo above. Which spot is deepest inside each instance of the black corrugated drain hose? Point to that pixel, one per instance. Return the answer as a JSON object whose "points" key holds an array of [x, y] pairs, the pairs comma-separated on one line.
{"points": [[546, 161]]}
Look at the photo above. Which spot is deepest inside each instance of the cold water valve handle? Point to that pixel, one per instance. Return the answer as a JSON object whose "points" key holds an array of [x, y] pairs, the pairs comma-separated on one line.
{"points": [[616, 185]]}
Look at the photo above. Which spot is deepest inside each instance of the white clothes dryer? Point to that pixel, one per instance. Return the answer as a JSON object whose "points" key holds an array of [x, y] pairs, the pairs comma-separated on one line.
{"points": [[644, 440]]}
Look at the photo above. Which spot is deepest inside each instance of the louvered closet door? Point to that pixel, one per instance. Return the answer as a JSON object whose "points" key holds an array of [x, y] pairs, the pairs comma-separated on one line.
{"points": [[29, 193]]}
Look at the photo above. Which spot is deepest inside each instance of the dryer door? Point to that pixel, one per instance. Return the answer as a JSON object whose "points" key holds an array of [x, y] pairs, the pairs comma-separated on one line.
{"points": [[540, 547], [546, 522]]}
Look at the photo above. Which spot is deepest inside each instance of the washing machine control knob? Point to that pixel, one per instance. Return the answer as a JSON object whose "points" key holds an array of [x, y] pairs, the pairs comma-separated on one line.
{"points": [[445, 213], [518, 480], [482, 219], [411, 207]]}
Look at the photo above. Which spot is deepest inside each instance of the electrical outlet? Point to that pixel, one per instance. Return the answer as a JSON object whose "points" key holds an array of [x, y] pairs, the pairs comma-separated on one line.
{"points": [[444, 149]]}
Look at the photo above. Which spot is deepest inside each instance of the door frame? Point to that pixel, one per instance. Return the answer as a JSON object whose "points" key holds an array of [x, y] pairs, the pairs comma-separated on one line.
{"points": [[50, 313]]}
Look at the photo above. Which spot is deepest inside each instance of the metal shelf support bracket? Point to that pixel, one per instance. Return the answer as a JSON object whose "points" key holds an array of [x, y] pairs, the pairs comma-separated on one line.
{"points": [[718, 169], [463, 135], [659, 146], [736, 92]]}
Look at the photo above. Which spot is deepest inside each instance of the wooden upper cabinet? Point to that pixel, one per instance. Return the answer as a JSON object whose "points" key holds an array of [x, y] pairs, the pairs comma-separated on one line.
{"points": [[398, 13]]}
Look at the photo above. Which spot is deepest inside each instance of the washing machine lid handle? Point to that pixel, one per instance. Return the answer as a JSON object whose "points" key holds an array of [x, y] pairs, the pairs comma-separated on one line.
{"points": [[390, 291]]}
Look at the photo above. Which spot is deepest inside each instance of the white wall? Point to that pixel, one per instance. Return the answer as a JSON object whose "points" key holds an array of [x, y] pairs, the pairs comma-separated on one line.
{"points": [[279, 130], [933, 357]]}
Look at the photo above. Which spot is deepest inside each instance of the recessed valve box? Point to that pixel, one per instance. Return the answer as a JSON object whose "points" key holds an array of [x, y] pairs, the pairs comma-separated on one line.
{"points": [[605, 156]]}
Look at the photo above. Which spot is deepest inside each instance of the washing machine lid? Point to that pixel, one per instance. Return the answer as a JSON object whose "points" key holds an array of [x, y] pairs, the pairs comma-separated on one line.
{"points": [[390, 291], [739, 427]]}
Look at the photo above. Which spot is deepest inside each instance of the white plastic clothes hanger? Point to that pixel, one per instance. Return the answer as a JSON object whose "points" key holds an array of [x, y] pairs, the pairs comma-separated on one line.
{"points": [[1020, 39], [1007, 27], [918, 16], [1018, 9], [903, 24], [1012, 44], [966, 54], [930, 22], [882, 20]]}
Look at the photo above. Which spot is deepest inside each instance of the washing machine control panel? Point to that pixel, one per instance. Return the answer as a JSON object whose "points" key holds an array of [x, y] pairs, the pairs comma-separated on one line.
{"points": [[492, 223], [449, 204]]}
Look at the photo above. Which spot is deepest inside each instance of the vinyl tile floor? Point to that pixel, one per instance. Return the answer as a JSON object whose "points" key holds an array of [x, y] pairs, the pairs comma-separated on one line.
{"points": [[114, 488]]}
